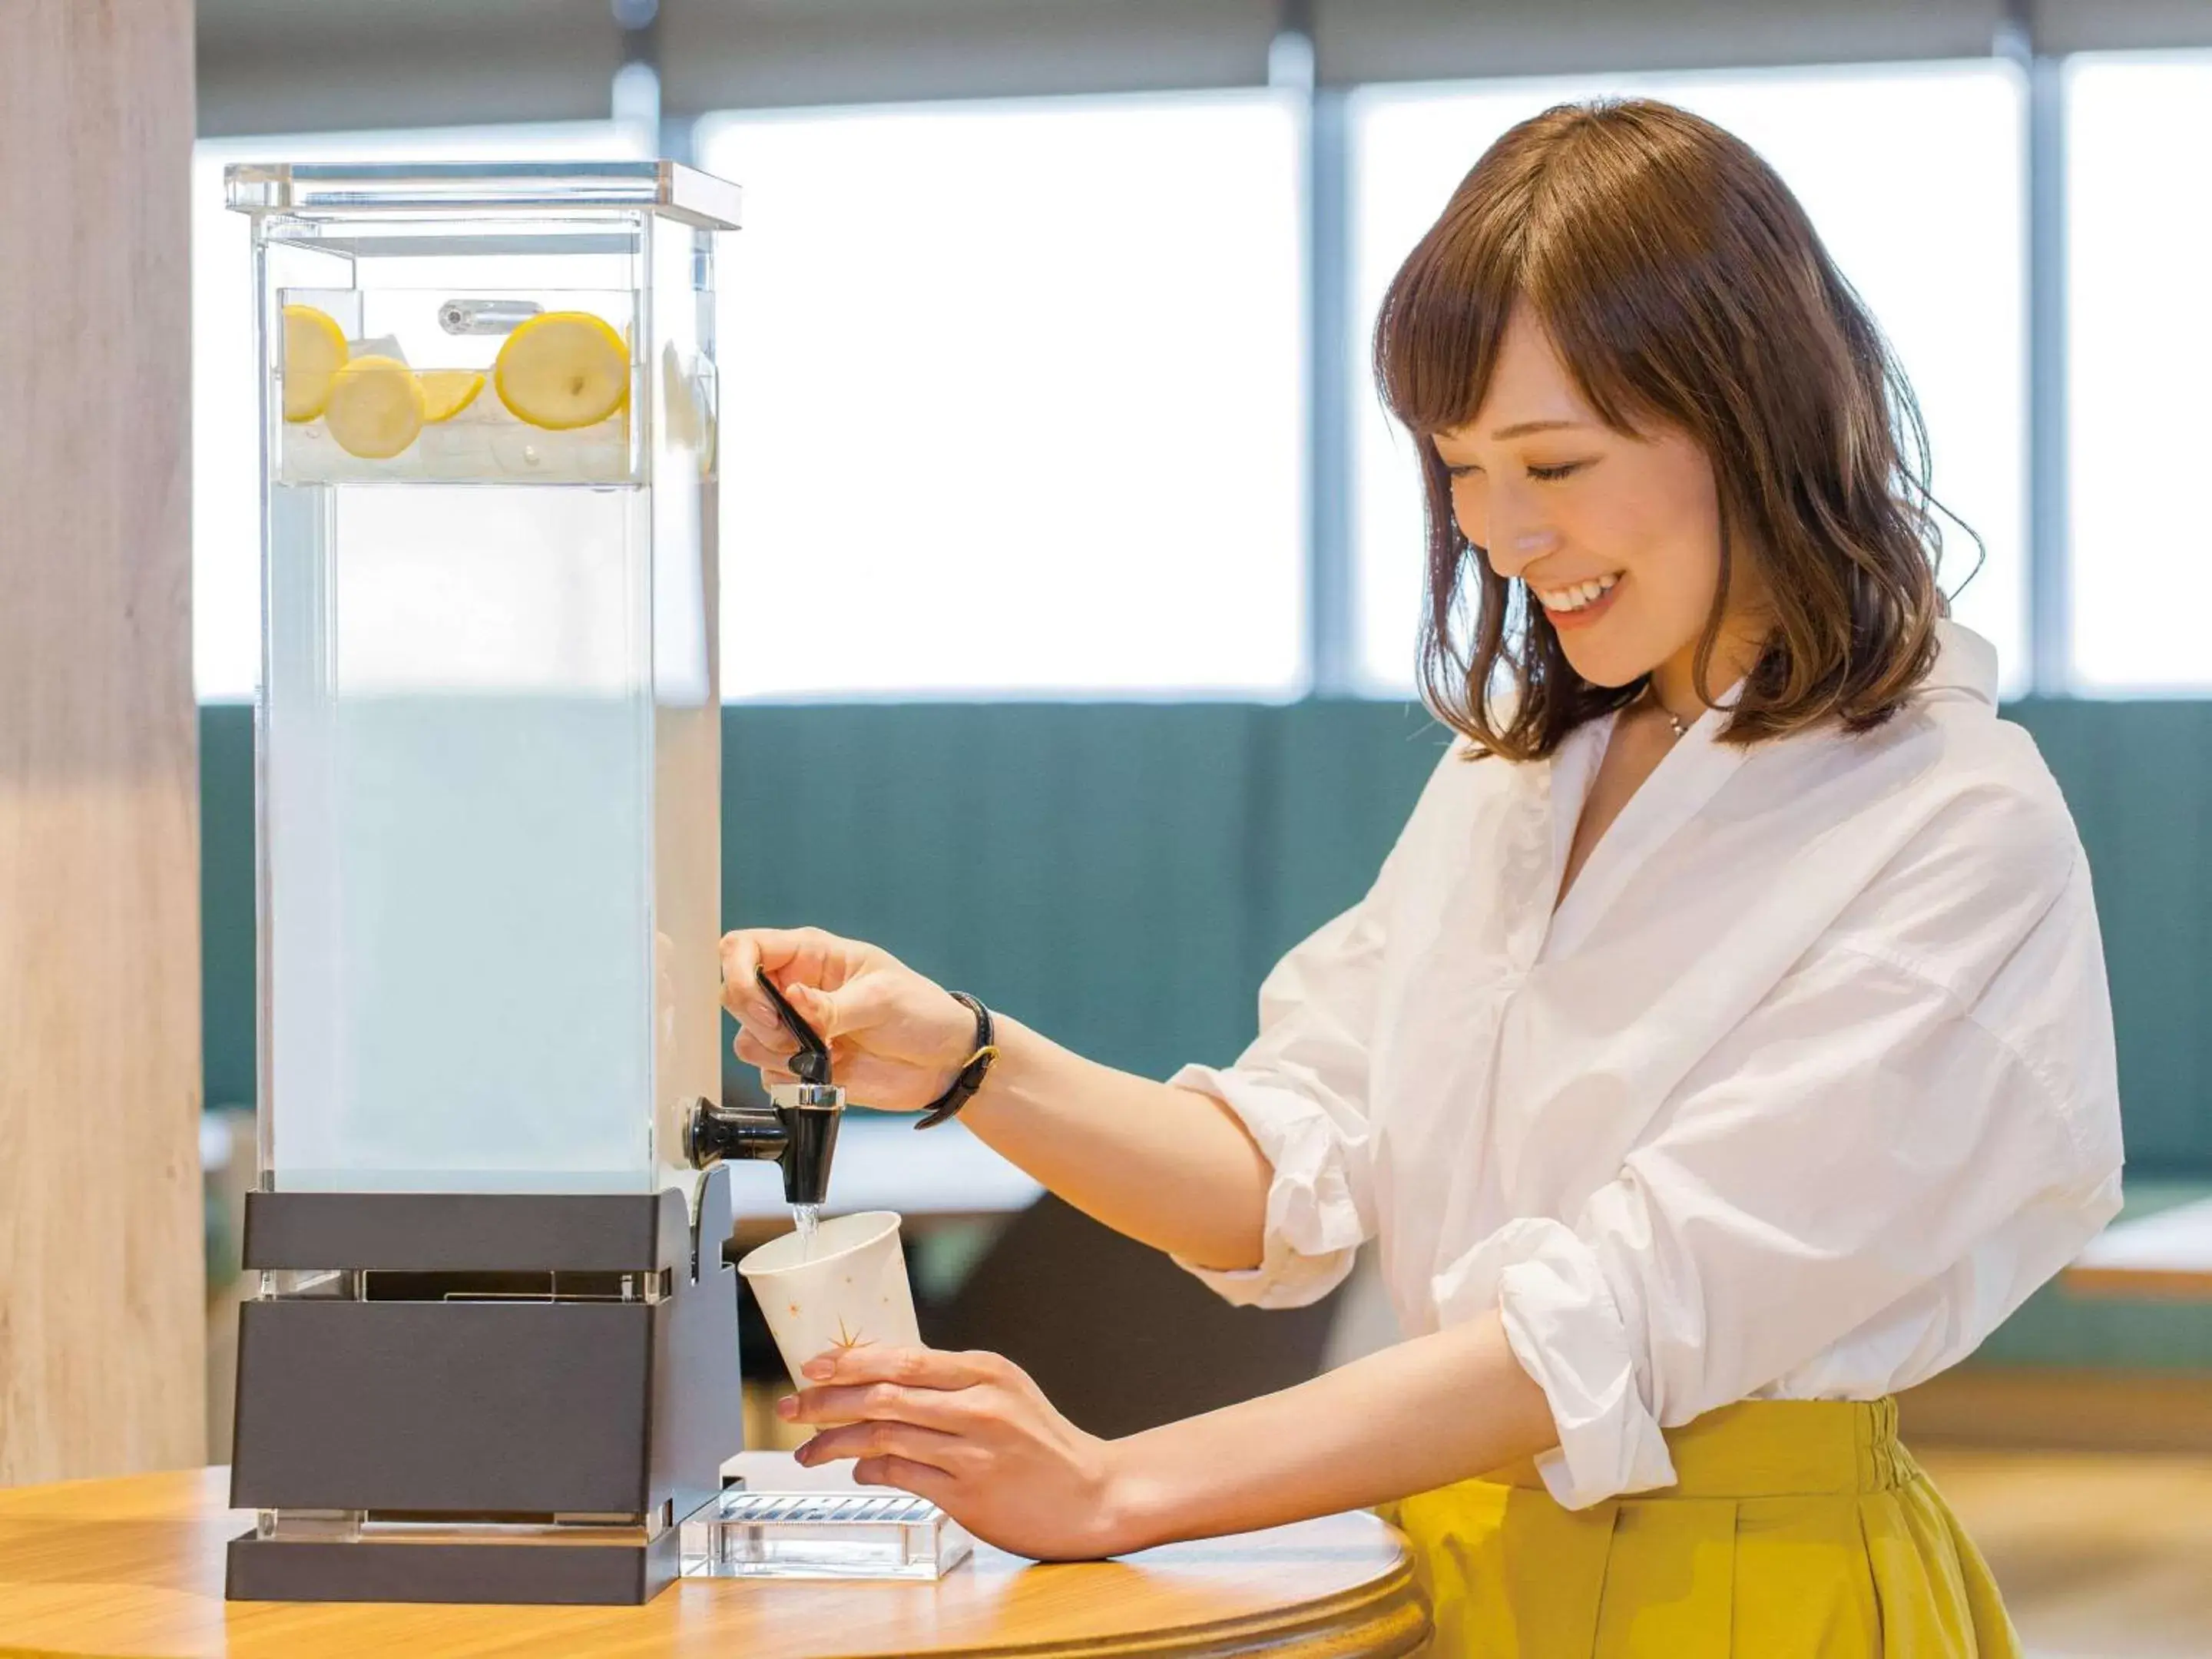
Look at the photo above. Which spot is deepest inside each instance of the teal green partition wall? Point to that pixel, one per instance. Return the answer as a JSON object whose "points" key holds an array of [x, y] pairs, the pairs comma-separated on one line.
{"points": [[1119, 875], [2138, 779], [226, 944], [1122, 876], [1086, 867]]}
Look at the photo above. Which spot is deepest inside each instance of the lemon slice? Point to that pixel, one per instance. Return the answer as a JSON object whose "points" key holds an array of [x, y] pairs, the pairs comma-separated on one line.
{"points": [[562, 369], [375, 407], [314, 351], [448, 392]]}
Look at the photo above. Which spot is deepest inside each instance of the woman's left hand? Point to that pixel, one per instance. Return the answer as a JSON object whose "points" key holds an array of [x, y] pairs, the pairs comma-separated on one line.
{"points": [[974, 1434]]}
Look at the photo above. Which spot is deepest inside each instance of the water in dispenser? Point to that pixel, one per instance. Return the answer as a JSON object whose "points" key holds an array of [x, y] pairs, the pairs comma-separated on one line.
{"points": [[489, 719]]}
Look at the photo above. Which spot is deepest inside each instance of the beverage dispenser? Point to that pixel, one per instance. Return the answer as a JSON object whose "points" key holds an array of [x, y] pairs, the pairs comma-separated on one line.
{"points": [[493, 1354]]}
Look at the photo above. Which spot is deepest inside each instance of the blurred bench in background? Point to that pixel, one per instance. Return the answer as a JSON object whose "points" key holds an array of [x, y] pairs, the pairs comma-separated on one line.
{"points": [[2165, 1255]]}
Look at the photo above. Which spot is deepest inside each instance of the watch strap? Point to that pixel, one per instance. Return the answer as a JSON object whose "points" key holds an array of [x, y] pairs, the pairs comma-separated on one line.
{"points": [[973, 1070]]}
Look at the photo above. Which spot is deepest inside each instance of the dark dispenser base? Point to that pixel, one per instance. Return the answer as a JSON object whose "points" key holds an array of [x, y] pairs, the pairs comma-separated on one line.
{"points": [[536, 1575], [513, 1398]]}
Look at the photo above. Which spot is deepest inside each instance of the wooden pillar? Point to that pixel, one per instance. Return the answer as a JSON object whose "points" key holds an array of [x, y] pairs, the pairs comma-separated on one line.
{"points": [[101, 1364]]}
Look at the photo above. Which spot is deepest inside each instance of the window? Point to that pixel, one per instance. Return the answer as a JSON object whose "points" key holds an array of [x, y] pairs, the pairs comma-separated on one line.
{"points": [[1012, 400], [226, 459], [1913, 176], [2139, 358]]}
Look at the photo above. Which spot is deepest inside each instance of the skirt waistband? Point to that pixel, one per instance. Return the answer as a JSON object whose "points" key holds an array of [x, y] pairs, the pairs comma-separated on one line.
{"points": [[1774, 1449]]}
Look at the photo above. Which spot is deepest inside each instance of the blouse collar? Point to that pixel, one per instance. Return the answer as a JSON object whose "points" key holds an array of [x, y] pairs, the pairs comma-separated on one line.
{"points": [[1687, 777]]}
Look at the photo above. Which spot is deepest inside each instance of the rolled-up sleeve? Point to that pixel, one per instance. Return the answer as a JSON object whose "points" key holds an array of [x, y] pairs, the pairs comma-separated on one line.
{"points": [[1871, 1132], [1300, 1090]]}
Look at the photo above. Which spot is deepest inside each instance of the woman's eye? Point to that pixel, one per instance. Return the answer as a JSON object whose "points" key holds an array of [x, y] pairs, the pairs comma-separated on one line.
{"points": [[1546, 474]]}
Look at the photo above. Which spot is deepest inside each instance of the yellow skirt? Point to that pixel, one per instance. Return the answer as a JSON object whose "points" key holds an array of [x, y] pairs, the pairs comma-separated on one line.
{"points": [[1796, 1529]]}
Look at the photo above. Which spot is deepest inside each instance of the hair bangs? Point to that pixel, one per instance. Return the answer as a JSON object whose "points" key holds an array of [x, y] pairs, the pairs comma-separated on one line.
{"points": [[1437, 331]]}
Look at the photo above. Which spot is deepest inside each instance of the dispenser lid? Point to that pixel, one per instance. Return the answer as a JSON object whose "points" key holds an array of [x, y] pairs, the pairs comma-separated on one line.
{"points": [[415, 188]]}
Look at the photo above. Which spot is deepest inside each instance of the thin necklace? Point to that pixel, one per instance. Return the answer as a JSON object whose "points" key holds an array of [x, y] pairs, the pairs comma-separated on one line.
{"points": [[1672, 720]]}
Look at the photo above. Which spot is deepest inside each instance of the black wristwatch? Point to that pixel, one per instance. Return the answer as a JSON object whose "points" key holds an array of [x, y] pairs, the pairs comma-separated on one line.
{"points": [[972, 1070]]}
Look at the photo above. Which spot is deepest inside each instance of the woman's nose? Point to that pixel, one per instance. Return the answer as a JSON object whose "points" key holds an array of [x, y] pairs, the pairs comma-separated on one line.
{"points": [[1512, 551]]}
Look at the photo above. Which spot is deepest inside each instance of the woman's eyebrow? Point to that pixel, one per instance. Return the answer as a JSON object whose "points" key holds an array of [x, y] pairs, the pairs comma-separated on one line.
{"points": [[1518, 429], [1526, 427]]}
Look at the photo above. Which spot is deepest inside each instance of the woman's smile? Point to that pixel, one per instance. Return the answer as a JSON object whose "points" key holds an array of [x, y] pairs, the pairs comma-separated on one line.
{"points": [[1579, 612]]}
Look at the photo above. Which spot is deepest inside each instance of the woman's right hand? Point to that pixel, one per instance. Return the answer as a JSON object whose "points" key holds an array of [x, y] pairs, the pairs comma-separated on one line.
{"points": [[896, 1038]]}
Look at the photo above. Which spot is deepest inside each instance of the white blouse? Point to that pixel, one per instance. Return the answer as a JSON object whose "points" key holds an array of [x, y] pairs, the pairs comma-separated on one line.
{"points": [[1806, 1086]]}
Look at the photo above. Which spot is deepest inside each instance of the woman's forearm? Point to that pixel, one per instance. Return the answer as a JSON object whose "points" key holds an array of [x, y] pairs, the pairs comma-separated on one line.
{"points": [[1170, 1167], [1421, 1414]]}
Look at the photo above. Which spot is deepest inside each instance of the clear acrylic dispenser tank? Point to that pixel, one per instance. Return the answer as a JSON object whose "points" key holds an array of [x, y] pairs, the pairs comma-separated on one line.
{"points": [[487, 724]]}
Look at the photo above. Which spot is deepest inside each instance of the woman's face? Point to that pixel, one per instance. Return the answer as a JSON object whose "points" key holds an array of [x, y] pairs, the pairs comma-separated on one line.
{"points": [[1561, 501]]}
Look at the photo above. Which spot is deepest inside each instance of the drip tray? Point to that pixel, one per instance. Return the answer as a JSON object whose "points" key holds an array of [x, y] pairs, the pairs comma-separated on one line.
{"points": [[848, 1533]]}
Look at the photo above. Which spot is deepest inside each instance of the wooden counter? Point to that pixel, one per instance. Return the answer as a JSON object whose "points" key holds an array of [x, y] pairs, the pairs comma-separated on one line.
{"points": [[135, 1567]]}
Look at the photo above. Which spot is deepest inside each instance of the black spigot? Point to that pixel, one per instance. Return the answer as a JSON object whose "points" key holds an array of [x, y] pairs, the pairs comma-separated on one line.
{"points": [[798, 1127]]}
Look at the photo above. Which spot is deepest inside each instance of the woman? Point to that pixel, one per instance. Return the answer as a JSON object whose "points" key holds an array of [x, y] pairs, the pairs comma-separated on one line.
{"points": [[1723, 1045]]}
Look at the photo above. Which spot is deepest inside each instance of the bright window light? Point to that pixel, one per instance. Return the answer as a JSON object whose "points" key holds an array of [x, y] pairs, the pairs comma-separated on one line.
{"points": [[2139, 358], [1913, 177], [1011, 400], [226, 459]]}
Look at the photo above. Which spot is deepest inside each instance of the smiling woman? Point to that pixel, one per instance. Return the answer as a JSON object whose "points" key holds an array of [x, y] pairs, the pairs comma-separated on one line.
{"points": [[1702, 1090], [1685, 403]]}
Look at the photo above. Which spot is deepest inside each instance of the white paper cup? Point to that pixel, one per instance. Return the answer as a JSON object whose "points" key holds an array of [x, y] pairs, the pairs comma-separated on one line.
{"points": [[850, 1291]]}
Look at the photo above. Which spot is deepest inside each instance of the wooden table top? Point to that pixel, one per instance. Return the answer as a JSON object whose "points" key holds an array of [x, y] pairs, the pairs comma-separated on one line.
{"points": [[135, 1567], [2166, 1254]]}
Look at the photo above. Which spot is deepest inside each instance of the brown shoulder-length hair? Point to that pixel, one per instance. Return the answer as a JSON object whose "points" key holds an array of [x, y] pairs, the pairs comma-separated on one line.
{"points": [[1679, 281]]}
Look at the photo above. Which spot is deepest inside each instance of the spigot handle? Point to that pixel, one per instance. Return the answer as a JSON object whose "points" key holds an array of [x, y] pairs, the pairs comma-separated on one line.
{"points": [[811, 1063]]}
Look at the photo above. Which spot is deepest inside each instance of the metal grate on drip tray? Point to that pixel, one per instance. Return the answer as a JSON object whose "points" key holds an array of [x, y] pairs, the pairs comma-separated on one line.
{"points": [[840, 1507]]}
